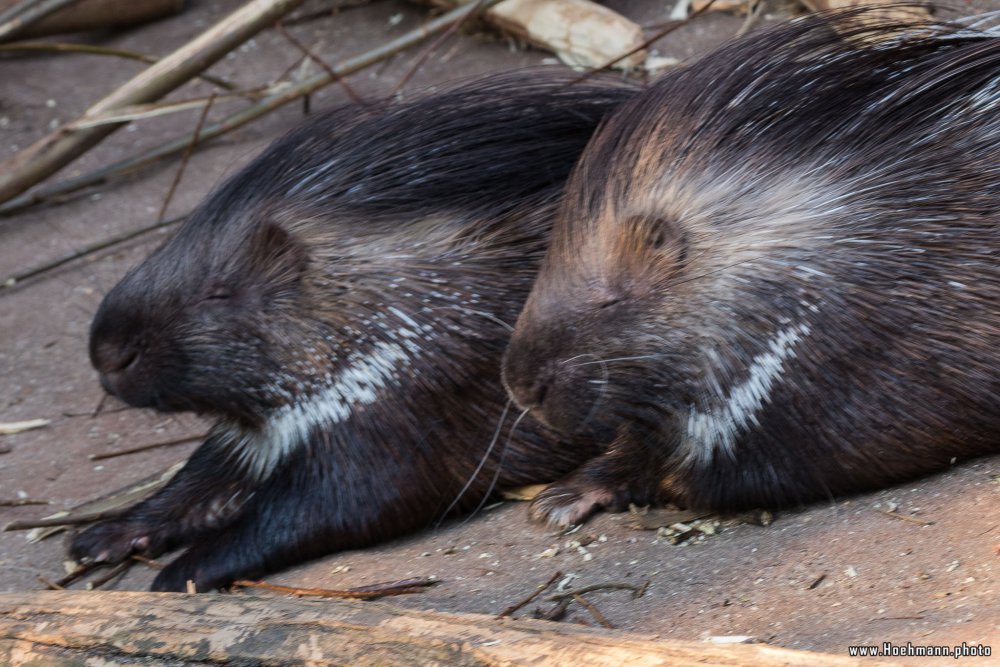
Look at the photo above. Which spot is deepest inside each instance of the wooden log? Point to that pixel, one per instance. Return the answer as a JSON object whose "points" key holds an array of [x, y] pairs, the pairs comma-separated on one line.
{"points": [[97, 15], [582, 33], [112, 628]]}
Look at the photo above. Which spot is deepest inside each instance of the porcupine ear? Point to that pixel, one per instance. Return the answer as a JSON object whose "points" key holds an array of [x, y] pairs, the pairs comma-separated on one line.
{"points": [[281, 255]]}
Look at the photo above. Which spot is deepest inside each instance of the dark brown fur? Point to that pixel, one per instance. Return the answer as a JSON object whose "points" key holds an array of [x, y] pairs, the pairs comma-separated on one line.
{"points": [[775, 275], [339, 306]]}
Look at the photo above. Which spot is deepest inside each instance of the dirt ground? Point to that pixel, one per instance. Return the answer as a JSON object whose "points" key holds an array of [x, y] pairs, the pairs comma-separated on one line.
{"points": [[823, 578]]}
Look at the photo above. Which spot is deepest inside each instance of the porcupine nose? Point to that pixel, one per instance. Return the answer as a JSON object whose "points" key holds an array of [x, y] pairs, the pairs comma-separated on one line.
{"points": [[116, 353], [113, 363], [540, 380], [527, 389]]}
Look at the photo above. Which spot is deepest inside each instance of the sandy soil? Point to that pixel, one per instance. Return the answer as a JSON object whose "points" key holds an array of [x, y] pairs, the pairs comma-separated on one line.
{"points": [[823, 578]]}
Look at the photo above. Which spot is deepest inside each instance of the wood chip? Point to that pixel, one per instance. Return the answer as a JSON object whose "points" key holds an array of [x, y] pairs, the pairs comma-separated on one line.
{"points": [[891, 12], [582, 33], [523, 492], [10, 428]]}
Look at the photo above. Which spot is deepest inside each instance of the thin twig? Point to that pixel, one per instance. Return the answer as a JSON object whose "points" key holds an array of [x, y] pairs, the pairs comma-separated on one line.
{"points": [[148, 562], [146, 447], [904, 517], [21, 502], [185, 158], [99, 408], [589, 606], [649, 42], [754, 9], [241, 118], [92, 413], [362, 593], [30, 524], [526, 601], [89, 250], [25, 14], [95, 50], [308, 53], [80, 571], [134, 112], [332, 10], [557, 613], [118, 570], [425, 54], [49, 584], [611, 585]]}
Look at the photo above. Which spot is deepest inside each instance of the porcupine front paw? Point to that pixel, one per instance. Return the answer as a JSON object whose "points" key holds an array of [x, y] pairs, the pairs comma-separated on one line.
{"points": [[568, 502], [114, 541], [204, 571], [603, 483]]}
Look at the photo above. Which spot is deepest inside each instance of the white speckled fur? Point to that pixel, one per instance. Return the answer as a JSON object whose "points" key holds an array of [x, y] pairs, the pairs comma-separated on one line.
{"points": [[358, 383]]}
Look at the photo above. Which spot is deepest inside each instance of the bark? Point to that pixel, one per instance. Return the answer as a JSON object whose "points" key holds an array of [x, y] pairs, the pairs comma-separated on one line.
{"points": [[115, 628]]}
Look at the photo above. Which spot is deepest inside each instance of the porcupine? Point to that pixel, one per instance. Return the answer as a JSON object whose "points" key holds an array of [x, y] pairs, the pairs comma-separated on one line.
{"points": [[340, 306], [774, 276]]}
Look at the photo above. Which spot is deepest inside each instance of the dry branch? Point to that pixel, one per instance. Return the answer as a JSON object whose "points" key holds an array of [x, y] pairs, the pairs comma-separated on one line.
{"points": [[62, 146], [20, 15], [146, 447], [94, 510], [96, 50], [582, 33], [236, 120], [82, 15], [65, 627], [18, 278]]}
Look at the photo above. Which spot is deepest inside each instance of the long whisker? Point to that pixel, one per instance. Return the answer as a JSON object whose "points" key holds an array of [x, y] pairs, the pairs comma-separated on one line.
{"points": [[482, 462], [608, 361], [496, 475], [580, 356]]}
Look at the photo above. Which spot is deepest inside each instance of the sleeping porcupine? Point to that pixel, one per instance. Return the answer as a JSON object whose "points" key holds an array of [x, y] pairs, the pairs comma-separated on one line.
{"points": [[774, 276], [339, 306]]}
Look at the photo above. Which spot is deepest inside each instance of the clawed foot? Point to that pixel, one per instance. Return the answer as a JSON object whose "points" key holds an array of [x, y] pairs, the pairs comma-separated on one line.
{"points": [[114, 541], [204, 573], [604, 483], [566, 503], [573, 500]]}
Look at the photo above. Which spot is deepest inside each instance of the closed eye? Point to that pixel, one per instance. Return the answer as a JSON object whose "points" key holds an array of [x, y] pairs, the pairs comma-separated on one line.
{"points": [[219, 294]]}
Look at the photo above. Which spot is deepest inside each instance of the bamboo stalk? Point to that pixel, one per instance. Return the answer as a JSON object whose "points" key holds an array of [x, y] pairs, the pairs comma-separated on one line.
{"points": [[78, 15], [238, 119], [24, 14], [62, 146], [95, 50]]}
